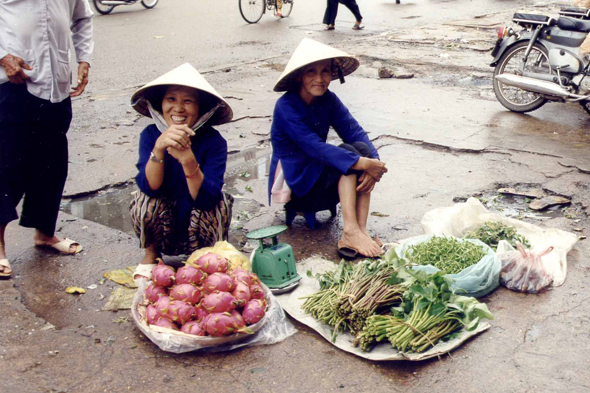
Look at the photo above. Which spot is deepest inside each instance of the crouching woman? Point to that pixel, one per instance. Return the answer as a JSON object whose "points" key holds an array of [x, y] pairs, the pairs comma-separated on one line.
{"points": [[180, 206], [317, 171]]}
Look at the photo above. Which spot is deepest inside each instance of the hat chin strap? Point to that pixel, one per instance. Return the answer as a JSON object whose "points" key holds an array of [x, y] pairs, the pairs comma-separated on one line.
{"points": [[163, 126]]}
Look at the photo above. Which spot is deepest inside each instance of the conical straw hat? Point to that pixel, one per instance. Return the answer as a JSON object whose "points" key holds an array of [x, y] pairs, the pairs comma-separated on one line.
{"points": [[185, 75], [309, 51]]}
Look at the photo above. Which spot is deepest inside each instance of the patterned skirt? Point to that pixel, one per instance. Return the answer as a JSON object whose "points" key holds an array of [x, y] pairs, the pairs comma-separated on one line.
{"points": [[153, 222]]}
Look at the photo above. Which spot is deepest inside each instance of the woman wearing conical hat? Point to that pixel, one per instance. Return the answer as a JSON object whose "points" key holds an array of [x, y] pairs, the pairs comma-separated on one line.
{"points": [[314, 170], [180, 206]]}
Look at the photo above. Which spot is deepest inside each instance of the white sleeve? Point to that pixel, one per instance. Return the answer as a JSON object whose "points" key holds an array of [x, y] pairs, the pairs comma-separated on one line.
{"points": [[81, 28]]}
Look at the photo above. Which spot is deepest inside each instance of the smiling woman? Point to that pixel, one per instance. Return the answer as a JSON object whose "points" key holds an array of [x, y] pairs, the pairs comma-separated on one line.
{"points": [[180, 206]]}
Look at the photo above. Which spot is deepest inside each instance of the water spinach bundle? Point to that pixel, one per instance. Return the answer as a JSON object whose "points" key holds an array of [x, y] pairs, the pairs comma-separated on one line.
{"points": [[387, 300]]}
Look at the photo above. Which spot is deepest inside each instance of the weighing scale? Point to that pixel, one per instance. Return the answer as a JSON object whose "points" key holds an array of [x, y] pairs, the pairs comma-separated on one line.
{"points": [[274, 263]]}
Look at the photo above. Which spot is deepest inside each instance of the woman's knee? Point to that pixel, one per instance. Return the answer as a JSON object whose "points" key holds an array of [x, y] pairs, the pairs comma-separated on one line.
{"points": [[362, 148]]}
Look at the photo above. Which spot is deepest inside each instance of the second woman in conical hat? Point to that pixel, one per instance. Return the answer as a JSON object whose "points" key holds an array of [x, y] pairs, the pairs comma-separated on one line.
{"points": [[180, 206], [320, 174]]}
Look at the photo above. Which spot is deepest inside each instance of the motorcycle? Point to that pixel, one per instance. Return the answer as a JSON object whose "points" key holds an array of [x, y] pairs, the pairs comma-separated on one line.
{"points": [[540, 62], [105, 7]]}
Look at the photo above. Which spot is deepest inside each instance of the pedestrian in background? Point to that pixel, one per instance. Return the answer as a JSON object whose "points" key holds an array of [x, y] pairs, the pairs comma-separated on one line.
{"points": [[36, 111], [332, 11]]}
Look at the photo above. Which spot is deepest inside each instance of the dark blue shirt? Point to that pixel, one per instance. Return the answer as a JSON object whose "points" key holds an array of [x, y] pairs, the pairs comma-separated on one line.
{"points": [[299, 133], [210, 150]]}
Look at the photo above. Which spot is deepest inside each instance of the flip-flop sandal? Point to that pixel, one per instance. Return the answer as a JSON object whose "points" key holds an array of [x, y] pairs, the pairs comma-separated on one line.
{"points": [[329, 28], [144, 270], [346, 251], [357, 27], [65, 247], [4, 263]]}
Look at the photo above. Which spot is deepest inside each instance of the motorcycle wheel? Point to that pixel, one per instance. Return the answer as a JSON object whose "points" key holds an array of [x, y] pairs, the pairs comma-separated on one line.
{"points": [[513, 98], [101, 8], [149, 3]]}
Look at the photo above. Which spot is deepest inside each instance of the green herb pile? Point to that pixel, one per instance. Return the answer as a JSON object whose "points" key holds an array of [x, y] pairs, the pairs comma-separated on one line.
{"points": [[445, 253], [387, 300], [492, 232]]}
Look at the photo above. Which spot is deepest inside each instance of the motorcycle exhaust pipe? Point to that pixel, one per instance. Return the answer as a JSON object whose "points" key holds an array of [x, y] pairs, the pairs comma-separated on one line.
{"points": [[535, 85]]}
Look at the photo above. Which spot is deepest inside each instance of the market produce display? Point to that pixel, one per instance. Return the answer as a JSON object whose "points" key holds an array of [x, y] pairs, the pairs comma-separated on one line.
{"points": [[205, 299], [445, 253], [385, 300], [492, 232]]}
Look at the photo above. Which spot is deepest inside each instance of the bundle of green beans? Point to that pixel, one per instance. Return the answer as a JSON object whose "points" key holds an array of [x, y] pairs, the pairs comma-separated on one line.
{"points": [[445, 253], [492, 232]]}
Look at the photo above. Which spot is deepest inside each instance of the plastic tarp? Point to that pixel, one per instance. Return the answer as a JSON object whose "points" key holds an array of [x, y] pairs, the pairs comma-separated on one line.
{"points": [[461, 218], [292, 301]]}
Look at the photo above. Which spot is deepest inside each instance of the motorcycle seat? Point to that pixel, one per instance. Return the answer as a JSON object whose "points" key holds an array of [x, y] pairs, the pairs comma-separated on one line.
{"points": [[574, 10], [573, 24], [533, 19]]}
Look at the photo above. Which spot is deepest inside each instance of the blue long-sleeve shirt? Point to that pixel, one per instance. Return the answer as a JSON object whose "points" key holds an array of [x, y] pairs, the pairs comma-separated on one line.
{"points": [[210, 150], [298, 136]]}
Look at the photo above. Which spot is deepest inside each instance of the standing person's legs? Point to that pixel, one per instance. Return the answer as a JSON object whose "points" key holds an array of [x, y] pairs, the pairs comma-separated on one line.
{"points": [[14, 113], [354, 8], [330, 14]]}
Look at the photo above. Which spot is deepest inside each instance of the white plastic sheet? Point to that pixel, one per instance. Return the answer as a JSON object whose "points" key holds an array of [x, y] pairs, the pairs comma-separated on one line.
{"points": [[461, 218], [273, 328], [291, 303]]}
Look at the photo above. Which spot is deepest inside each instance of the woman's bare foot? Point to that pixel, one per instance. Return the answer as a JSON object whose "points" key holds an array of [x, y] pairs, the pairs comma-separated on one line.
{"points": [[362, 243]]}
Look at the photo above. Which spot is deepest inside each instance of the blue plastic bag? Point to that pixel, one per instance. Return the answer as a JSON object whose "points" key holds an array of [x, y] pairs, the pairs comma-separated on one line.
{"points": [[476, 280]]}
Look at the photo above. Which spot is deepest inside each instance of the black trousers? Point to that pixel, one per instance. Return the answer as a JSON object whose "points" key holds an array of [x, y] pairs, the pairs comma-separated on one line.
{"points": [[332, 10], [33, 156], [324, 192]]}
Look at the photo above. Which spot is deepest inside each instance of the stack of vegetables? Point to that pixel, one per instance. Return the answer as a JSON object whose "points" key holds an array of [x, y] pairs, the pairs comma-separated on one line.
{"points": [[387, 300], [205, 298]]}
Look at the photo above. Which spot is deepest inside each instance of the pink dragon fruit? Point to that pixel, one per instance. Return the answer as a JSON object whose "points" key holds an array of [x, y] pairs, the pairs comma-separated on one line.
{"points": [[186, 292], [254, 311], [201, 313], [151, 314], [190, 275], [153, 292], [241, 293], [163, 306], [193, 327], [163, 275], [222, 324], [238, 319], [256, 291], [165, 323], [242, 275], [220, 282], [218, 301], [254, 279], [181, 312], [211, 263]]}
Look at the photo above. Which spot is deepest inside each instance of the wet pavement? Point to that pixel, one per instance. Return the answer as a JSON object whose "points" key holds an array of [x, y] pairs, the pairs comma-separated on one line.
{"points": [[442, 134]]}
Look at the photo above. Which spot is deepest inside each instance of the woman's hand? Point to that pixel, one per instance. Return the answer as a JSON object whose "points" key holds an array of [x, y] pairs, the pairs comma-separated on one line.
{"points": [[372, 167], [366, 184], [184, 156], [175, 137]]}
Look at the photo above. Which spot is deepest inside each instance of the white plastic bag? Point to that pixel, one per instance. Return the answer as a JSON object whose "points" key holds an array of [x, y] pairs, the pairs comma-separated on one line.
{"points": [[273, 328], [461, 218], [475, 280], [524, 270]]}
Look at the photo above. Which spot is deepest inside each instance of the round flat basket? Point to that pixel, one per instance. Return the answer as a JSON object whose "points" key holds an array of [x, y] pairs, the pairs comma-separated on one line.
{"points": [[177, 341]]}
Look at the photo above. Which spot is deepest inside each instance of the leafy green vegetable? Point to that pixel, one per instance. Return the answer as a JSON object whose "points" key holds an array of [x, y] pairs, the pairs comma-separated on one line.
{"points": [[492, 232], [448, 254]]}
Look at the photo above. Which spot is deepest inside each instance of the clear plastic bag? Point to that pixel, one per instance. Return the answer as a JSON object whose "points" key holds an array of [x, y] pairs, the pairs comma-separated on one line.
{"points": [[273, 328], [476, 280], [524, 270]]}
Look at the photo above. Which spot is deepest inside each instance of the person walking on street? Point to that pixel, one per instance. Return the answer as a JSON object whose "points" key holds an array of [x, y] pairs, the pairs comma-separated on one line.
{"points": [[36, 111], [332, 11]]}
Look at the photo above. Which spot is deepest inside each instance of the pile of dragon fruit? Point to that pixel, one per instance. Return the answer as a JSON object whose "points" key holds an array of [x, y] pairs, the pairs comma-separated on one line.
{"points": [[205, 299]]}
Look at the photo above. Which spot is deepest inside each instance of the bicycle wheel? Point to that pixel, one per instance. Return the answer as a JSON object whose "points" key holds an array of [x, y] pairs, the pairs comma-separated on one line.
{"points": [[149, 3], [101, 8], [252, 10], [287, 7]]}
